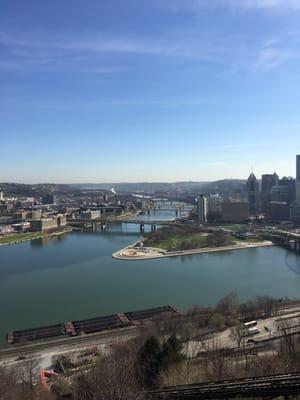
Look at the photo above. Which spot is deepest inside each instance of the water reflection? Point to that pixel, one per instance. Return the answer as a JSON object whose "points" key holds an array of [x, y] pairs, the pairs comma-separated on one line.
{"points": [[292, 260], [46, 240], [59, 252]]}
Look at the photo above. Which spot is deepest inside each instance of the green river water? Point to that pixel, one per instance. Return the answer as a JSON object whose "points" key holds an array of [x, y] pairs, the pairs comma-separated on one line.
{"points": [[74, 276]]}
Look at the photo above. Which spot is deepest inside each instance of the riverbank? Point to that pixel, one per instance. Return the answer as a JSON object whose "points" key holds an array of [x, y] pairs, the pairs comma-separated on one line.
{"points": [[135, 253], [129, 214], [25, 237]]}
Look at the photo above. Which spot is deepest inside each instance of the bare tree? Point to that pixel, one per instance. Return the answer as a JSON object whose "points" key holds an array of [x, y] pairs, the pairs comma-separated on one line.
{"points": [[265, 306], [238, 334], [290, 342], [21, 383], [8, 384], [26, 375], [112, 378], [214, 360], [229, 304]]}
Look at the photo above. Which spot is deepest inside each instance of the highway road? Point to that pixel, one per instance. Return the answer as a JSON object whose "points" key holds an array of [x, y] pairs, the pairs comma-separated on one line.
{"points": [[225, 340]]}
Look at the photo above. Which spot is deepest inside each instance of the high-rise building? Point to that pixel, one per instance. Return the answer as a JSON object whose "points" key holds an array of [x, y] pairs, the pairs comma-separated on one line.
{"points": [[202, 209], [235, 211], [49, 199], [267, 182], [253, 194], [278, 211], [298, 178], [290, 185], [214, 203], [279, 193], [295, 213]]}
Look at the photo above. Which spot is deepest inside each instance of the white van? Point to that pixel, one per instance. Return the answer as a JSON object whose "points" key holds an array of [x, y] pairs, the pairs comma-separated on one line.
{"points": [[253, 331]]}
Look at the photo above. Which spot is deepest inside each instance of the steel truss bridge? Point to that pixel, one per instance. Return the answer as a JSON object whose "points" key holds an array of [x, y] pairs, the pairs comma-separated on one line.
{"points": [[262, 386], [289, 240], [104, 222], [122, 221]]}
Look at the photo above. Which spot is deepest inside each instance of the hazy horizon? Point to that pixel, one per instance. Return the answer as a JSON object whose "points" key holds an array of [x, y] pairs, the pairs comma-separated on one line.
{"points": [[142, 182]]}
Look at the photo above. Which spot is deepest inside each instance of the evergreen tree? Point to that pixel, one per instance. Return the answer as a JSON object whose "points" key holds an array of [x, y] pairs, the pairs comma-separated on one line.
{"points": [[148, 362], [171, 352]]}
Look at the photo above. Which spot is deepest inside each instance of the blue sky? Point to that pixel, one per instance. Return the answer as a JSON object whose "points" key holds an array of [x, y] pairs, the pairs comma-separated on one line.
{"points": [[148, 90]]}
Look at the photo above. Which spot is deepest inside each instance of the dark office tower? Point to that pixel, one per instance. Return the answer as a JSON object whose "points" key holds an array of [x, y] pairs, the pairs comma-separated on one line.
{"points": [[267, 182], [298, 178], [49, 199], [290, 185], [253, 194]]}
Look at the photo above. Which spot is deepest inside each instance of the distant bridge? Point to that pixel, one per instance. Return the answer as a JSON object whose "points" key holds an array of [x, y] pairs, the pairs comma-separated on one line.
{"points": [[262, 386], [122, 221], [103, 222], [288, 240], [280, 232]]}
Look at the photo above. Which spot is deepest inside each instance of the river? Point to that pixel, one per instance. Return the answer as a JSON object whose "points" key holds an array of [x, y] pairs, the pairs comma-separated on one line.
{"points": [[74, 276]]}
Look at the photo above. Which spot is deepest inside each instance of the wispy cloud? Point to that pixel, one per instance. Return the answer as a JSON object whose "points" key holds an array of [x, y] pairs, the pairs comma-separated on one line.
{"points": [[100, 44], [25, 52], [272, 57], [283, 5], [95, 53], [245, 145], [264, 4], [115, 103]]}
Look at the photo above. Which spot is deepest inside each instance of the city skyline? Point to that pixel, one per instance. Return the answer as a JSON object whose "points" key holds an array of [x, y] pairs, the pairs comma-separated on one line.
{"points": [[148, 91]]}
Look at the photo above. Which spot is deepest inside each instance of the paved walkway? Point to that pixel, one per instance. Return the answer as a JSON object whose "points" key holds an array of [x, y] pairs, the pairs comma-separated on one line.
{"points": [[133, 252]]}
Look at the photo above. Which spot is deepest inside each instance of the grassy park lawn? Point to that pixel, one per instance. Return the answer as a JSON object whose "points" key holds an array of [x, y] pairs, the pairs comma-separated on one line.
{"points": [[16, 237], [178, 242], [233, 227]]}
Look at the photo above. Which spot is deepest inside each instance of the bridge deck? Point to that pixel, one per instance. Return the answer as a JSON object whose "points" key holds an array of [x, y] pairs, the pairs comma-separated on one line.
{"points": [[122, 221]]}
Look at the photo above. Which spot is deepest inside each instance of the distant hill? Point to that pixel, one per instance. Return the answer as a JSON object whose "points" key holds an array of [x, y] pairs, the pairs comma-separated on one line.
{"points": [[225, 187], [147, 187], [222, 186]]}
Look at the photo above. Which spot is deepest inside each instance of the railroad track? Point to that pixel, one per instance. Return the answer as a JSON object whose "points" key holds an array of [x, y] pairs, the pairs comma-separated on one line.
{"points": [[272, 385], [69, 342]]}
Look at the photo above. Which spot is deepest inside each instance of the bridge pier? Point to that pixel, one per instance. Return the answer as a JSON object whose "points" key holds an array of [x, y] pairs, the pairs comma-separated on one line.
{"points": [[103, 227], [153, 228], [142, 228]]}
